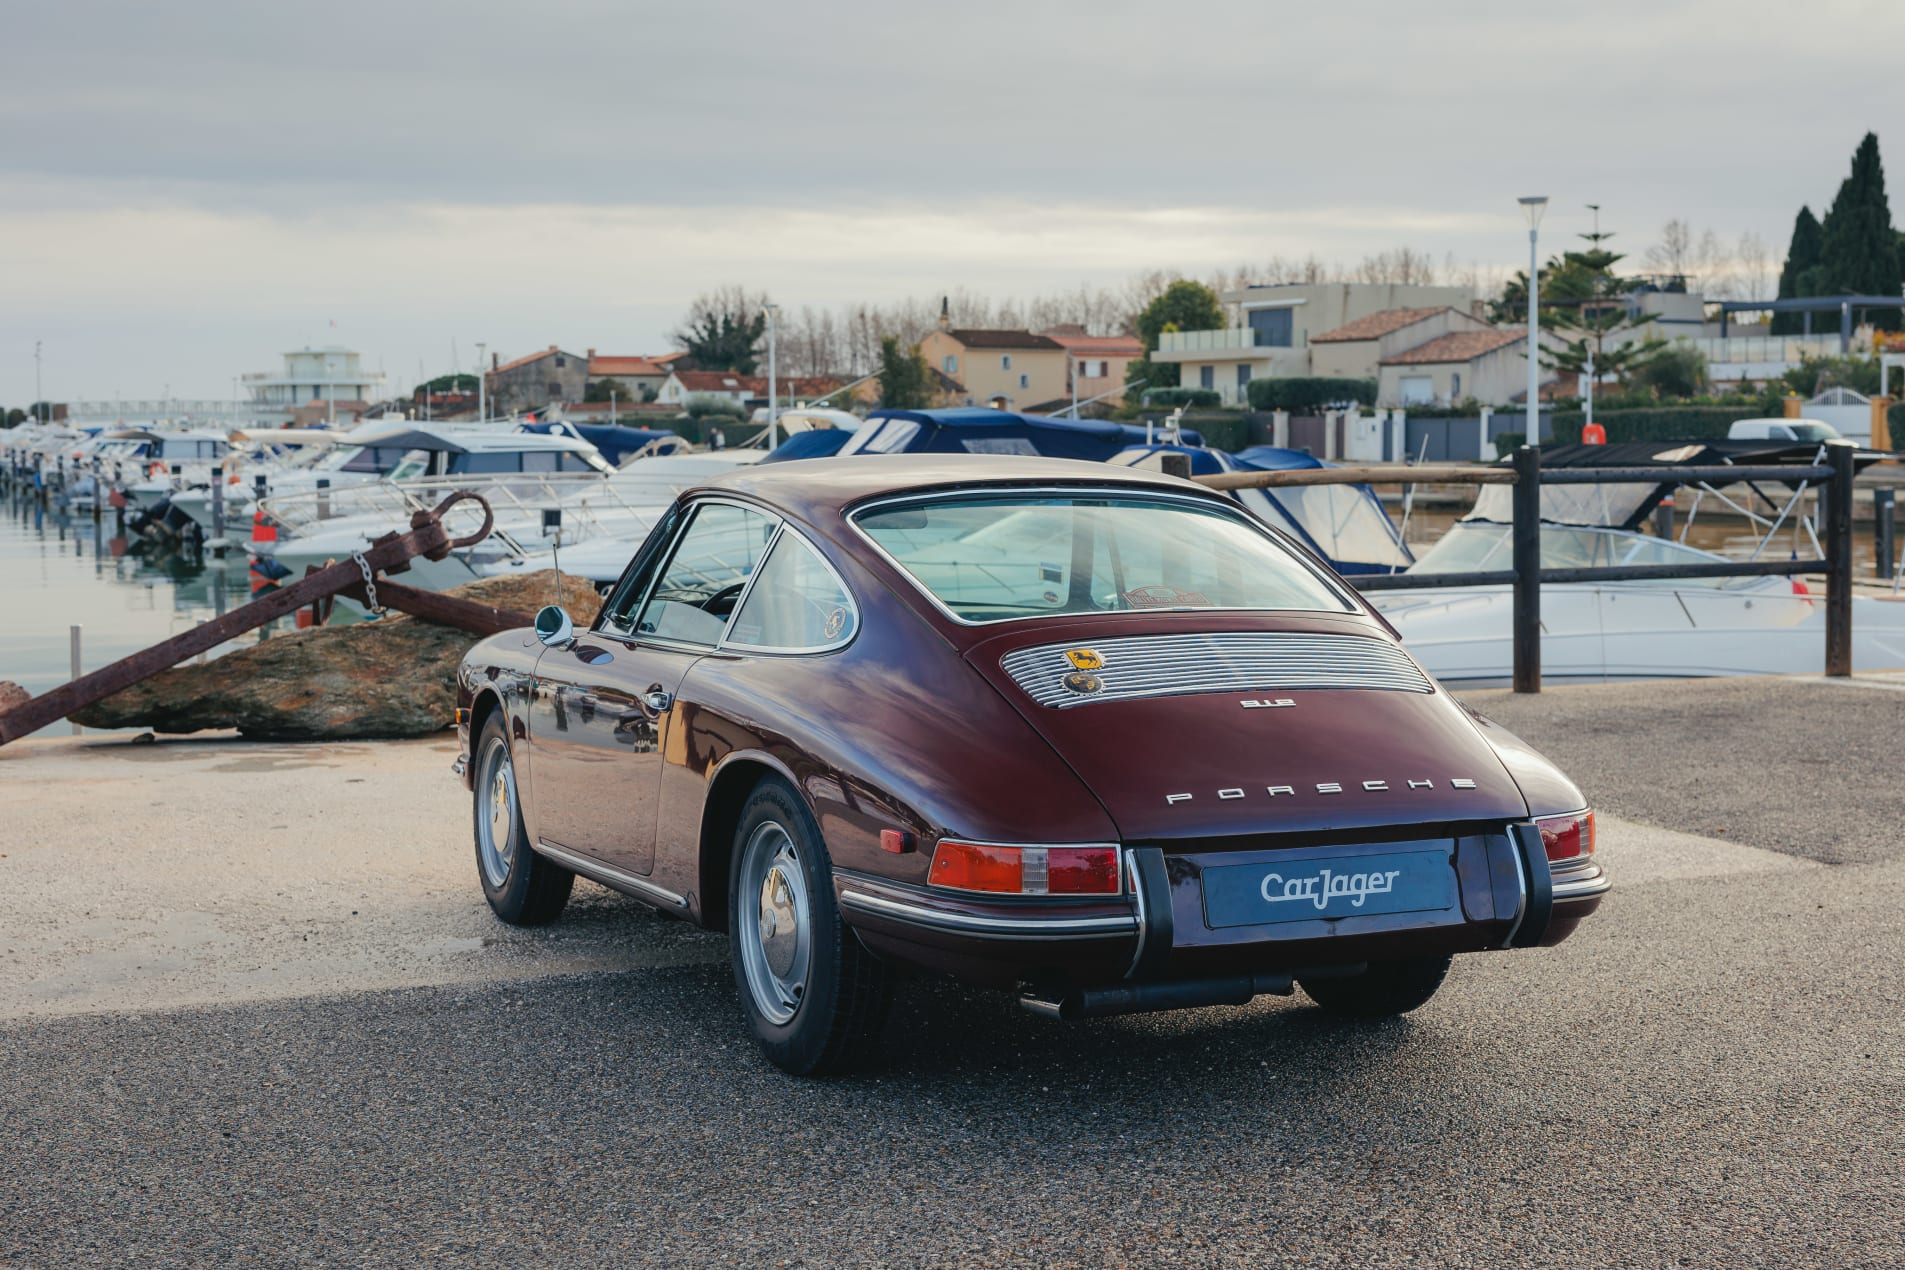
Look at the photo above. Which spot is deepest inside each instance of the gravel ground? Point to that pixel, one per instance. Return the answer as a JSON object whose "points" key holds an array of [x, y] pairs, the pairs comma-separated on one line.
{"points": [[1712, 1072]]}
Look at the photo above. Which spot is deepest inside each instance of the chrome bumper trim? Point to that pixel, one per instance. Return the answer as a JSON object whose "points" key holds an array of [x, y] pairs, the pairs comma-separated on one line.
{"points": [[610, 876], [1593, 881], [461, 765], [994, 927]]}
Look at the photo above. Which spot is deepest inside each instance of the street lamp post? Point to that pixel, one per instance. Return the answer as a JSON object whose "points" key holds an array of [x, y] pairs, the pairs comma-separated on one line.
{"points": [[482, 384], [39, 393], [773, 402], [1532, 207]]}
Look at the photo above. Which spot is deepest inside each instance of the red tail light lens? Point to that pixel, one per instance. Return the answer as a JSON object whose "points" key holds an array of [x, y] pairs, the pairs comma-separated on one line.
{"points": [[978, 866], [1567, 837]]}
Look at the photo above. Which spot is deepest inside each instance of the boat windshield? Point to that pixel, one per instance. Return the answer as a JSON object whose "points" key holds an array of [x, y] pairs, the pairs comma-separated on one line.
{"points": [[993, 558], [1813, 431], [1477, 546]]}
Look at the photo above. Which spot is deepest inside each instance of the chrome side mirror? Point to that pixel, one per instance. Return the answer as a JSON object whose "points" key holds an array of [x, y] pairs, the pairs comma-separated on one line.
{"points": [[553, 626]]}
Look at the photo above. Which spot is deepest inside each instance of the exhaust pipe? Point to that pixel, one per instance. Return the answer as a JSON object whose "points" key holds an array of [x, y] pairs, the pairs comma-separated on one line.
{"points": [[1142, 998]]}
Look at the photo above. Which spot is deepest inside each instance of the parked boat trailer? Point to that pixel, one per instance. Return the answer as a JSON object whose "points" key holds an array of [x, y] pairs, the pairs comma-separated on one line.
{"points": [[356, 577]]}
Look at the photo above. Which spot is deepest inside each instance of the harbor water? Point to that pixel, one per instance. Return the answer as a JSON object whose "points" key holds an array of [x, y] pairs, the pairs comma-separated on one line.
{"points": [[59, 570]]}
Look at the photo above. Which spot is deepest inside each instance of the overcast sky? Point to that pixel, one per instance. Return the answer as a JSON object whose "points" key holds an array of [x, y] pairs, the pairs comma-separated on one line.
{"points": [[188, 190]]}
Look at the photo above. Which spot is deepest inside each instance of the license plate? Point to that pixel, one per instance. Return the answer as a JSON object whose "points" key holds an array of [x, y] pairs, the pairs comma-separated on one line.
{"points": [[1300, 888]]}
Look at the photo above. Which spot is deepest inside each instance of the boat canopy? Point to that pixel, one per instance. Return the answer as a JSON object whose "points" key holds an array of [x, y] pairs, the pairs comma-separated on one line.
{"points": [[1627, 504], [1345, 524], [615, 441], [818, 443], [975, 430]]}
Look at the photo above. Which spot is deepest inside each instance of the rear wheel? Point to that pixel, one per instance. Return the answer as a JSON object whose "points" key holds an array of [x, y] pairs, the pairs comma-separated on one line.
{"points": [[814, 997], [1385, 989], [522, 887]]}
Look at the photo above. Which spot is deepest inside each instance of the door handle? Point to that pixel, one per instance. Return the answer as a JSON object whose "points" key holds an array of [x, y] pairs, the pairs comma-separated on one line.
{"points": [[658, 700]]}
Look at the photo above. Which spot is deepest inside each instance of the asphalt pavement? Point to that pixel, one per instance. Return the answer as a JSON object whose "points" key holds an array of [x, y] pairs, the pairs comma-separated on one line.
{"points": [[1712, 1072]]}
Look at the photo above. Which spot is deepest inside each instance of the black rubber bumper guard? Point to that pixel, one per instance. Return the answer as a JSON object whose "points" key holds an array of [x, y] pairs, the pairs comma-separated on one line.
{"points": [[1150, 883]]}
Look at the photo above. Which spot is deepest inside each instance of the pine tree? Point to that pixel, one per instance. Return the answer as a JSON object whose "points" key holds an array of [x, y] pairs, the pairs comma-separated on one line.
{"points": [[1802, 262], [1583, 303], [1860, 253]]}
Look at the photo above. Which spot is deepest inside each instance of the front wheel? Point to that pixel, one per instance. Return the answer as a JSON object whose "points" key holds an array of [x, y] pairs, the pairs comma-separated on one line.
{"points": [[522, 887], [1384, 989], [814, 997]]}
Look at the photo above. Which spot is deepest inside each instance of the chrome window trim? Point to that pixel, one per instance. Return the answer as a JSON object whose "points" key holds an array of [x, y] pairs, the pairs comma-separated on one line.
{"points": [[1218, 506], [996, 927], [853, 605], [634, 636]]}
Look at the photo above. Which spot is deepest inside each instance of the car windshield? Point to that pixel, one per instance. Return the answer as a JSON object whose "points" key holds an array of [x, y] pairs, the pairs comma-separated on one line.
{"points": [[993, 558]]}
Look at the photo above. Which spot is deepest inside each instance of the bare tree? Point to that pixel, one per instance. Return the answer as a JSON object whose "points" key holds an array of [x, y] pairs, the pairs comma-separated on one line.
{"points": [[1753, 265], [1674, 252]]}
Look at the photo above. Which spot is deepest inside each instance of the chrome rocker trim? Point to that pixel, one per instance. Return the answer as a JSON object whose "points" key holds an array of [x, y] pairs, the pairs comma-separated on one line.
{"points": [[994, 927], [610, 876]]}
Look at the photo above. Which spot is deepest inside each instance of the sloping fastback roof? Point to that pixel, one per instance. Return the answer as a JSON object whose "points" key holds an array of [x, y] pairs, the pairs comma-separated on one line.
{"points": [[1376, 325], [1004, 339], [1459, 346]]}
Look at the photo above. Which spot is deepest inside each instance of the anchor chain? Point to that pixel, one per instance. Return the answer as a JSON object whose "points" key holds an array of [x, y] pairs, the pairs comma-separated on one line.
{"points": [[370, 586]]}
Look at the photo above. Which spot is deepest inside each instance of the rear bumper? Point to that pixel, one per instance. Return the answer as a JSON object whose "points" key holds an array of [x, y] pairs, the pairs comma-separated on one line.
{"points": [[1157, 933]]}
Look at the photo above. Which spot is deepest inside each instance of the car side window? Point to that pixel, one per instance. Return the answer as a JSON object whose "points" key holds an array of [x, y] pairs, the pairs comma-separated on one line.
{"points": [[796, 604], [619, 613], [706, 574]]}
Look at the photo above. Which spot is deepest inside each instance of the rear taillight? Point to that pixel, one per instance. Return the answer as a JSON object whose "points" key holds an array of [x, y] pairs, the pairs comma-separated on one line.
{"points": [[986, 867], [1567, 837]]}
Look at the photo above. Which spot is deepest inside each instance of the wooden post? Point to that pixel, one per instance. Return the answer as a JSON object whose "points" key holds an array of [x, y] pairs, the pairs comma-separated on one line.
{"points": [[1527, 563], [1839, 562]]}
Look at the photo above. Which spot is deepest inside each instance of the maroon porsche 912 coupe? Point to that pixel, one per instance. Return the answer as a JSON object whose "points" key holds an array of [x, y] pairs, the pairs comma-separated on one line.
{"points": [[1093, 734]]}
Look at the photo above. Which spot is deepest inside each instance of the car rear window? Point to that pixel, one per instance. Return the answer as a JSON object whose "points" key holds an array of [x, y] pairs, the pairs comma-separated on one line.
{"points": [[989, 558]]}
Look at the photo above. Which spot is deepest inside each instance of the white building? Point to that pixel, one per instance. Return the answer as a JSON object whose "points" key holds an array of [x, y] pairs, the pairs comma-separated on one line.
{"points": [[1274, 339], [332, 373]]}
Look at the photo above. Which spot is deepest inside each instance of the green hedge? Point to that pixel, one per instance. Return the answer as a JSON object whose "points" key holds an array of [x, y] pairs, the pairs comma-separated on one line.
{"points": [[1659, 423], [1299, 393], [1188, 397], [1222, 430]]}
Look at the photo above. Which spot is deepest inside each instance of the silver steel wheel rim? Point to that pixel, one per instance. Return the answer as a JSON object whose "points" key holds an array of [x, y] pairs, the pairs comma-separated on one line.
{"points": [[775, 924], [496, 818]]}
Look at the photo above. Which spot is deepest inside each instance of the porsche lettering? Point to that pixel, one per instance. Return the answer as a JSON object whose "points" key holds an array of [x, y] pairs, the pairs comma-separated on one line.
{"points": [[1372, 786]]}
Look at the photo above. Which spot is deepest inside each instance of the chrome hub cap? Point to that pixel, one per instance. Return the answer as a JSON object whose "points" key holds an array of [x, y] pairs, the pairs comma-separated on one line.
{"points": [[496, 813], [776, 930]]}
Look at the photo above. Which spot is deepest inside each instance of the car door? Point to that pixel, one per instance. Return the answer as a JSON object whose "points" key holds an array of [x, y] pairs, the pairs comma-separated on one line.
{"points": [[605, 705]]}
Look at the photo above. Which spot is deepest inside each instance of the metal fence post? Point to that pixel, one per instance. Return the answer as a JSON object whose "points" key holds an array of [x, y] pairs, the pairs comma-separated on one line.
{"points": [[218, 509], [1885, 518], [1839, 563], [1527, 561]]}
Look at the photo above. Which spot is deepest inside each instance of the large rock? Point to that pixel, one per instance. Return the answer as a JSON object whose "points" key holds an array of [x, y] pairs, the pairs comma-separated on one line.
{"points": [[390, 678]]}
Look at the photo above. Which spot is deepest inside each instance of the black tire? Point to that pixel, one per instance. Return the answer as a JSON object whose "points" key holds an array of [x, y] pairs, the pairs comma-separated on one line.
{"points": [[814, 997], [1384, 990], [522, 888]]}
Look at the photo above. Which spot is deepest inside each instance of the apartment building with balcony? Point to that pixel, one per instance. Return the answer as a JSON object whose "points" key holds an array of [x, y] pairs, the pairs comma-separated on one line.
{"points": [[1278, 326]]}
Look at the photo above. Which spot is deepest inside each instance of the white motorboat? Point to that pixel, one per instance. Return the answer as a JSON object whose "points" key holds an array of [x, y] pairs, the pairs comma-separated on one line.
{"points": [[533, 514], [1679, 628]]}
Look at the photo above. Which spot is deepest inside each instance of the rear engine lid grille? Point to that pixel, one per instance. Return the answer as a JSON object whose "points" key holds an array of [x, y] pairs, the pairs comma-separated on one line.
{"points": [[1065, 675]]}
